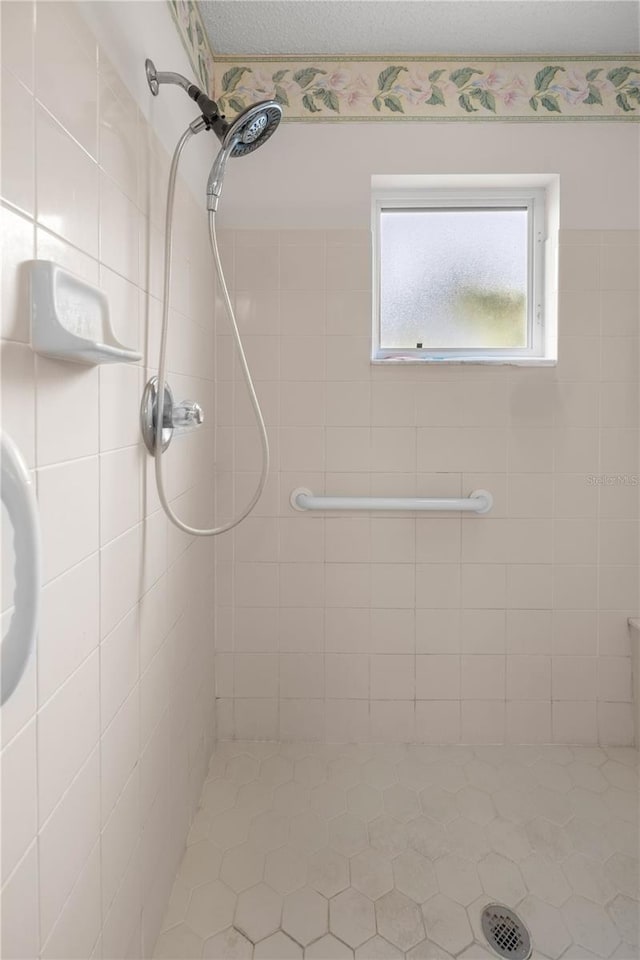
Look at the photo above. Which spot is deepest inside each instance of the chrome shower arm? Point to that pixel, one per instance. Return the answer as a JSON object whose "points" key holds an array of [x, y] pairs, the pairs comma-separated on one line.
{"points": [[208, 107], [177, 78], [154, 79]]}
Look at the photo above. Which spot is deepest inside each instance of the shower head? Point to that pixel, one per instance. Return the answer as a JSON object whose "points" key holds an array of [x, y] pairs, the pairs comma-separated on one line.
{"points": [[241, 136], [246, 133], [252, 127]]}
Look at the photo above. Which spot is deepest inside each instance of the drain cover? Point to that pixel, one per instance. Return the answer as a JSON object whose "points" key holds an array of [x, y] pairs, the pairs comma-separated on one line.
{"points": [[505, 932]]}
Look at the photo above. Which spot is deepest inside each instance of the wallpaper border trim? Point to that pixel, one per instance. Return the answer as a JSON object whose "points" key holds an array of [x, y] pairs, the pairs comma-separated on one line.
{"points": [[440, 88]]}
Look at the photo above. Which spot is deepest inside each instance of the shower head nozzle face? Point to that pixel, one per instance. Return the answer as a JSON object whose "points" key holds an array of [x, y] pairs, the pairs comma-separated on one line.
{"points": [[246, 133], [253, 127]]}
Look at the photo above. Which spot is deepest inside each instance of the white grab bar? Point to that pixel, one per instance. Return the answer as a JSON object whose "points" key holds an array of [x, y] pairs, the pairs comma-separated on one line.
{"points": [[480, 501]]}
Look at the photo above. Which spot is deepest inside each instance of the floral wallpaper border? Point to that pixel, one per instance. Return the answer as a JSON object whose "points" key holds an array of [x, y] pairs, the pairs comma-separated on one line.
{"points": [[430, 88], [415, 88], [190, 27]]}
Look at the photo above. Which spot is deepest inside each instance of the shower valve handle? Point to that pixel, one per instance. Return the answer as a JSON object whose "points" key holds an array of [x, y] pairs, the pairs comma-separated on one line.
{"points": [[186, 413]]}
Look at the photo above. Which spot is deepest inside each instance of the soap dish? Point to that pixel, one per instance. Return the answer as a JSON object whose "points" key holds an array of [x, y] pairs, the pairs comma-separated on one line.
{"points": [[70, 319]]}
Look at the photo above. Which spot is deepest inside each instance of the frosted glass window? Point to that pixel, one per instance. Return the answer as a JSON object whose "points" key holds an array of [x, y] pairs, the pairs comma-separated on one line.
{"points": [[454, 278]]}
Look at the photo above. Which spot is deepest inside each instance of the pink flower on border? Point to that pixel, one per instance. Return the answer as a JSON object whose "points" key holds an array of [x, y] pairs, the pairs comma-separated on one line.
{"points": [[574, 89], [356, 97], [337, 81], [495, 80], [260, 86], [511, 97], [416, 87], [604, 86], [510, 88]]}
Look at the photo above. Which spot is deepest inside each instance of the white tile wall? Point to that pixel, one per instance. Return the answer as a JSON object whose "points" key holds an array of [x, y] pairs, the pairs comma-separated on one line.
{"points": [[504, 628], [106, 741]]}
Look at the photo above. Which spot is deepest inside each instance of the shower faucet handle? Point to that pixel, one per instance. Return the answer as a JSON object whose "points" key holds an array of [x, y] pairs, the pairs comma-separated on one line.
{"points": [[187, 413]]}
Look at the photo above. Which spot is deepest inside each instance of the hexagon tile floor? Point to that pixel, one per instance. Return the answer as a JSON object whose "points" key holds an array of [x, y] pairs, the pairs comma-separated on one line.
{"points": [[322, 852]]}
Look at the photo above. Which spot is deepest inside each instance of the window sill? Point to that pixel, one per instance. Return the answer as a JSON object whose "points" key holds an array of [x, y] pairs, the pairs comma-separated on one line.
{"points": [[484, 361]]}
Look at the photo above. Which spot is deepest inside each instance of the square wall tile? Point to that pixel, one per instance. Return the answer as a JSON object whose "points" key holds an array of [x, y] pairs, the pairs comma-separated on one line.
{"points": [[66, 841], [574, 678], [301, 675], [18, 142], [483, 677], [615, 723], [18, 29], [529, 721], [483, 721], [528, 678], [346, 676], [392, 677], [347, 720], [574, 722], [438, 631], [255, 675], [255, 719], [18, 762], [67, 186], [438, 721], [392, 721], [438, 677], [302, 719], [392, 631], [69, 490], [66, 68]]}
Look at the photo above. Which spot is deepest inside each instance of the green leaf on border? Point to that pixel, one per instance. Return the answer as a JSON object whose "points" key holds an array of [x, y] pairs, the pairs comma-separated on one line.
{"points": [[235, 103], [465, 102], [437, 97], [304, 77], [594, 95], [279, 75], [280, 95], [623, 102], [592, 74], [232, 77], [533, 103], [550, 103], [633, 92], [462, 76], [435, 75], [545, 76], [388, 77], [330, 100], [394, 103], [308, 104], [488, 100], [620, 75], [377, 103]]}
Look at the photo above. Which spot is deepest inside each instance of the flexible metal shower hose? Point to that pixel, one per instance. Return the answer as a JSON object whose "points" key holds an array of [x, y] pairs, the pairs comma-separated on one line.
{"points": [[168, 249]]}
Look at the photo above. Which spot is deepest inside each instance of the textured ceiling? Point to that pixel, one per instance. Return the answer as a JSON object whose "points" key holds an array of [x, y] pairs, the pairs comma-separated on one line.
{"points": [[465, 27]]}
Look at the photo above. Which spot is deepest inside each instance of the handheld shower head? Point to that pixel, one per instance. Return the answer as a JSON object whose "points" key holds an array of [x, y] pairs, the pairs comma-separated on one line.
{"points": [[250, 128], [241, 136], [253, 127], [246, 133]]}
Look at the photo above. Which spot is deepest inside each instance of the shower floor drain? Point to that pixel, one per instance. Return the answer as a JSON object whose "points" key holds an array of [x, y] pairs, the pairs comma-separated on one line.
{"points": [[505, 932]]}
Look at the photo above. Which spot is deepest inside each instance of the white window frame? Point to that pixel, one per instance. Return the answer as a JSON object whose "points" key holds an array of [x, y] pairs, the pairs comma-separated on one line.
{"points": [[467, 198]]}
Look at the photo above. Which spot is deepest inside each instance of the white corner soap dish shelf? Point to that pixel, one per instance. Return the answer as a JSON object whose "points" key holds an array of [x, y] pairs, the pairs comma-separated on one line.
{"points": [[70, 318]]}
